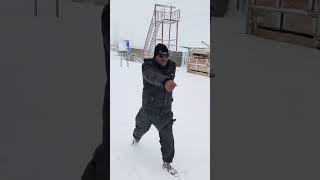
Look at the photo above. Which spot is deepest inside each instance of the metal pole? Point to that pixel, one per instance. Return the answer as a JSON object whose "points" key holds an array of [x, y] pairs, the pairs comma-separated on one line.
{"points": [[162, 24], [238, 5], [121, 57], [57, 9], [249, 17], [35, 7], [177, 38], [317, 33], [128, 58], [155, 23], [278, 4], [170, 28], [311, 5]]}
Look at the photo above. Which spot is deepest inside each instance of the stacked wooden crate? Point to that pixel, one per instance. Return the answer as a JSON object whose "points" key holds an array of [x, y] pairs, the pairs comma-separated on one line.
{"points": [[136, 54], [199, 61], [293, 21]]}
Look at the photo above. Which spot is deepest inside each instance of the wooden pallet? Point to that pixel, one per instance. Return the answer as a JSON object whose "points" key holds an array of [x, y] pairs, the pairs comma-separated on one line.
{"points": [[290, 4], [200, 69], [267, 3], [199, 61], [285, 37], [199, 73], [292, 21], [296, 4]]}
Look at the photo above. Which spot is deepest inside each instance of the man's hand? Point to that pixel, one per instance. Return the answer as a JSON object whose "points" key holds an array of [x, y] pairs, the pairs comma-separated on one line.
{"points": [[170, 85]]}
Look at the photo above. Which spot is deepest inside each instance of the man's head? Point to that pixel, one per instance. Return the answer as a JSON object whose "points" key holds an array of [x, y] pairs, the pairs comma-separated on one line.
{"points": [[161, 54]]}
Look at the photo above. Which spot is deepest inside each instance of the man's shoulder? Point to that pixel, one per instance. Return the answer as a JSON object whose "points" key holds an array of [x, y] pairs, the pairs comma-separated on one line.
{"points": [[171, 63], [147, 61]]}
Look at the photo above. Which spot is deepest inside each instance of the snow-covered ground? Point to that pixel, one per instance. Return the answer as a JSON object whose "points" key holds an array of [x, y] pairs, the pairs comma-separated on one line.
{"points": [[191, 108]]}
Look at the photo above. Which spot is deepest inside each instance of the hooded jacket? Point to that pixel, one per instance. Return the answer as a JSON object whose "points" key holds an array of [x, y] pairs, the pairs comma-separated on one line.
{"points": [[155, 98]]}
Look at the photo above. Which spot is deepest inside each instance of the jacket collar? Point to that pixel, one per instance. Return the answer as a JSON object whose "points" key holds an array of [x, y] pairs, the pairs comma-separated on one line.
{"points": [[159, 65]]}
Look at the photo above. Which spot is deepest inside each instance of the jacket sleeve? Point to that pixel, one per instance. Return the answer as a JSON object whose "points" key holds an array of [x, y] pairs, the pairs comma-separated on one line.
{"points": [[152, 76], [174, 71]]}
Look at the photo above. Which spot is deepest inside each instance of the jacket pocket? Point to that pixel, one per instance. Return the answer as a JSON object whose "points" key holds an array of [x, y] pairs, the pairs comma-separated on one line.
{"points": [[152, 100]]}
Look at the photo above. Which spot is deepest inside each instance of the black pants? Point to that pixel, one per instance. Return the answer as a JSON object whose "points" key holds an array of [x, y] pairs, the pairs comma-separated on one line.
{"points": [[164, 126]]}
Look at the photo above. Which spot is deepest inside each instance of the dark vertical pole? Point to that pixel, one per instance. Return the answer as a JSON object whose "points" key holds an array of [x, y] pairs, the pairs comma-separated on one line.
{"points": [[318, 33], [279, 5], [311, 5], [170, 28], [35, 7], [177, 37], [249, 17], [164, 12], [155, 23], [238, 5], [57, 9]]}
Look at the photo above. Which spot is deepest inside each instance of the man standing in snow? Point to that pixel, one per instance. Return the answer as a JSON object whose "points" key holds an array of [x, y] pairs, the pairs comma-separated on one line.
{"points": [[158, 75]]}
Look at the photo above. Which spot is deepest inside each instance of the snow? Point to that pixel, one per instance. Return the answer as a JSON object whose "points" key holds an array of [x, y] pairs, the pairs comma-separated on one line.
{"points": [[191, 108]]}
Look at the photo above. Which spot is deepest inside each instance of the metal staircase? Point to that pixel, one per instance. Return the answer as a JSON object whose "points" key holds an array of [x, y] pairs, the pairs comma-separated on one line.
{"points": [[151, 37], [162, 15]]}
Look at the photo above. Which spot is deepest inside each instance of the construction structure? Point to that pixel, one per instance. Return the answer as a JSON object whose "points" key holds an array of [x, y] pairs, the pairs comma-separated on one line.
{"points": [[292, 21], [163, 29]]}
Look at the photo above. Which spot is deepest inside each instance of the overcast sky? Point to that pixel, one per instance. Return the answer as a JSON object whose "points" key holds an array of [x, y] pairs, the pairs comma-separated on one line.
{"points": [[131, 20]]}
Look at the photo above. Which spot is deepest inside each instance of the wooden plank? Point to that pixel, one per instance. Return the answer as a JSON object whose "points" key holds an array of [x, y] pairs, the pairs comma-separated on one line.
{"points": [[199, 73], [199, 61], [296, 4], [298, 23], [282, 10], [137, 52], [203, 61], [192, 67], [193, 61], [205, 69], [200, 51], [268, 3], [267, 19], [285, 37]]}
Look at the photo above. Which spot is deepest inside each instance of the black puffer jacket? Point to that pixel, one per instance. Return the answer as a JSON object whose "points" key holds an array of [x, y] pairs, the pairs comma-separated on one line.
{"points": [[155, 99]]}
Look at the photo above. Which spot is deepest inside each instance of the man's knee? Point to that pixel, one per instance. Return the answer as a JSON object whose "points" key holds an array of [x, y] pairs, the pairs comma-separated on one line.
{"points": [[142, 126], [142, 122]]}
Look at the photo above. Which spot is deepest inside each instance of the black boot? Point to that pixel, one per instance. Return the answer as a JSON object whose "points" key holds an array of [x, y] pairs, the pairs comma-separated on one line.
{"points": [[169, 168]]}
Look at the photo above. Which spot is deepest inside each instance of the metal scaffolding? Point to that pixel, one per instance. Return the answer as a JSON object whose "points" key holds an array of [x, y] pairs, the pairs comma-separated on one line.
{"points": [[163, 17]]}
